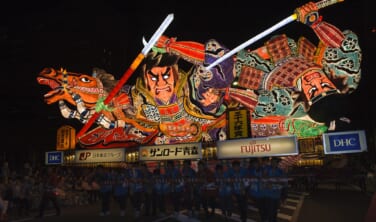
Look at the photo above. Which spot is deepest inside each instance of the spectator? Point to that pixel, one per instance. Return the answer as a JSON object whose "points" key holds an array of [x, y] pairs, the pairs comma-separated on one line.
{"points": [[189, 175], [173, 176], [49, 182], [121, 189], [104, 179], [225, 190], [25, 199], [148, 187], [237, 174], [136, 188], [86, 187], [3, 208], [206, 185], [275, 184], [159, 193]]}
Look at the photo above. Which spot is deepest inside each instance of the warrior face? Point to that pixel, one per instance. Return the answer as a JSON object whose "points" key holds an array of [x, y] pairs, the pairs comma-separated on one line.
{"points": [[315, 85], [161, 83]]}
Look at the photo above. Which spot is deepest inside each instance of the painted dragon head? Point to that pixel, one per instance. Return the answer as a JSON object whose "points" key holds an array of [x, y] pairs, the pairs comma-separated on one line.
{"points": [[64, 84]]}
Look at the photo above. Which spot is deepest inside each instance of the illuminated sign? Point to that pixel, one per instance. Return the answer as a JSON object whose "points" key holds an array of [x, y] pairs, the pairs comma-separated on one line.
{"points": [[171, 152], [99, 155], [259, 147], [344, 142], [238, 124], [66, 138], [54, 157]]}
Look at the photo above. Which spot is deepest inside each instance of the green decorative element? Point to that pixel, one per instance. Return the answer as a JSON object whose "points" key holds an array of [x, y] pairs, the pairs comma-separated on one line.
{"points": [[344, 63], [304, 128], [158, 50], [99, 106], [251, 59], [276, 102]]}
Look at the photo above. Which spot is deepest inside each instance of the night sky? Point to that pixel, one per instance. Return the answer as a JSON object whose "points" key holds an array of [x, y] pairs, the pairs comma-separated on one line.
{"points": [[107, 34]]}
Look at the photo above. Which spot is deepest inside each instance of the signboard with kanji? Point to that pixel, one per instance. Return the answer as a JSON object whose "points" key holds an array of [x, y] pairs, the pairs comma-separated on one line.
{"points": [[238, 124], [100, 155], [171, 152]]}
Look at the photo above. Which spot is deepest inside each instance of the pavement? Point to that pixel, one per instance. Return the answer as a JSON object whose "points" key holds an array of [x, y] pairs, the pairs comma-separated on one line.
{"points": [[326, 204]]}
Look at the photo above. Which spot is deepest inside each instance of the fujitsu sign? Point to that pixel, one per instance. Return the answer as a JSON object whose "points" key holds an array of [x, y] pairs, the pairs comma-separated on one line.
{"points": [[268, 146], [253, 147]]}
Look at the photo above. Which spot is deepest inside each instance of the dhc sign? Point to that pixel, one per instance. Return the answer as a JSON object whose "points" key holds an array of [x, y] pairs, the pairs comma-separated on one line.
{"points": [[54, 157], [345, 142]]}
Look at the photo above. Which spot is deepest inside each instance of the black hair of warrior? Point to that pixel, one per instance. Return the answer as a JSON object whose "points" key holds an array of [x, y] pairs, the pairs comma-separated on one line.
{"points": [[154, 59]]}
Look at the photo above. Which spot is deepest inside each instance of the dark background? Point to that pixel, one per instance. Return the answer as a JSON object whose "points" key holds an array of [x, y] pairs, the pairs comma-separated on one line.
{"points": [[78, 36]]}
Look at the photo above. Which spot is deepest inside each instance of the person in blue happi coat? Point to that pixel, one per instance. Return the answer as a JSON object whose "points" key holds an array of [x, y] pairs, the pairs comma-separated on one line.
{"points": [[104, 178], [189, 176], [175, 180], [136, 188], [121, 188], [225, 190], [275, 177], [159, 193], [238, 176], [257, 191], [147, 176]]}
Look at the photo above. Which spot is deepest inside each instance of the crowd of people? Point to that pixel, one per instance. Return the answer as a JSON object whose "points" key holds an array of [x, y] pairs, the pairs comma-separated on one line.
{"points": [[193, 186], [227, 187], [32, 189], [150, 188]]}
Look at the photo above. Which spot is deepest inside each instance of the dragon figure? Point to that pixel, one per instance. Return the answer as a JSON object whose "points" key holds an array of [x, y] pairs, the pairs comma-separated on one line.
{"points": [[277, 83]]}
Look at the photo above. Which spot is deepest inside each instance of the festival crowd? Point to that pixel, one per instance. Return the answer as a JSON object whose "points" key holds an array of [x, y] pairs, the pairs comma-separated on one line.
{"points": [[170, 187]]}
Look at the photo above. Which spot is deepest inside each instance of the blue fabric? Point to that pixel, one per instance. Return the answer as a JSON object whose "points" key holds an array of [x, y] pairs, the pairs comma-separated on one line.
{"points": [[224, 186], [274, 189], [121, 184], [159, 184], [172, 175], [105, 181], [188, 173], [137, 175], [256, 189], [237, 177]]}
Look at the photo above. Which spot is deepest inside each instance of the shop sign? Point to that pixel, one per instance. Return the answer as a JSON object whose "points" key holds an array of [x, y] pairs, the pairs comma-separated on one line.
{"points": [[171, 152], [257, 147], [54, 157], [99, 155], [344, 142]]}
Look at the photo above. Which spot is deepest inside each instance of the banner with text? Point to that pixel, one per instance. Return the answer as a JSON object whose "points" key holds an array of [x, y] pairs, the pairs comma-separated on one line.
{"points": [[54, 157], [257, 147], [100, 155], [344, 142], [238, 124], [171, 151]]}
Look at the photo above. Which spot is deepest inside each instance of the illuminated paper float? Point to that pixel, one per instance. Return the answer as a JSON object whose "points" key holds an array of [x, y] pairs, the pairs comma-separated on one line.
{"points": [[278, 84]]}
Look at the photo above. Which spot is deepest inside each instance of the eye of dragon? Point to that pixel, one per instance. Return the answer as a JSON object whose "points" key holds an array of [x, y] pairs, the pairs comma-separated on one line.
{"points": [[85, 79]]}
